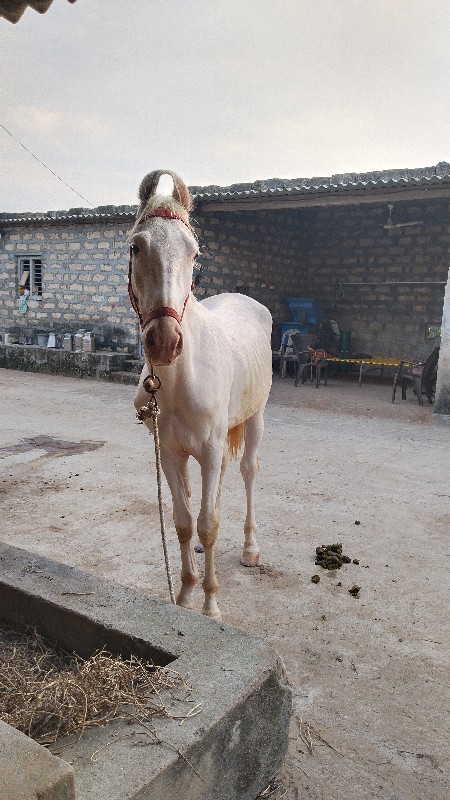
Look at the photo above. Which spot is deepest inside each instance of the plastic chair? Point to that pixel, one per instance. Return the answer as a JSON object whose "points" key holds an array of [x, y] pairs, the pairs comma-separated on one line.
{"points": [[287, 353], [422, 375]]}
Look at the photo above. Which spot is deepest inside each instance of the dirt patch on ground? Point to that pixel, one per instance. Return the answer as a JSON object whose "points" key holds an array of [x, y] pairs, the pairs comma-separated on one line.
{"points": [[50, 445], [368, 675]]}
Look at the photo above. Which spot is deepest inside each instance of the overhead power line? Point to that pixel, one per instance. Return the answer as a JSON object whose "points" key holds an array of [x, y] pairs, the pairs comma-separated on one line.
{"points": [[45, 165]]}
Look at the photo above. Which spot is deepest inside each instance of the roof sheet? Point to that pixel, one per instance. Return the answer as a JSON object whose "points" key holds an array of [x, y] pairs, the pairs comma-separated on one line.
{"points": [[348, 181], [127, 213]]}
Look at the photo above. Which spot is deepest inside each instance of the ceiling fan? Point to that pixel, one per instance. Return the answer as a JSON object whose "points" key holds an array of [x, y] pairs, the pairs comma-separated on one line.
{"points": [[391, 225]]}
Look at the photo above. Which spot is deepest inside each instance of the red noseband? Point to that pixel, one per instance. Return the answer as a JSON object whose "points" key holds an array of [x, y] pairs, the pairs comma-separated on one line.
{"points": [[162, 311]]}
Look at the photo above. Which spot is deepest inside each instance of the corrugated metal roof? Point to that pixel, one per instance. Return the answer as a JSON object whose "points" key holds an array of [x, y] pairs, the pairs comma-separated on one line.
{"points": [[349, 181], [127, 213], [12, 10], [270, 188]]}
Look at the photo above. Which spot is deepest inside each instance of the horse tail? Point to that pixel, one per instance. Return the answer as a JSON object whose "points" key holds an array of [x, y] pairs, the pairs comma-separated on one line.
{"points": [[235, 439]]}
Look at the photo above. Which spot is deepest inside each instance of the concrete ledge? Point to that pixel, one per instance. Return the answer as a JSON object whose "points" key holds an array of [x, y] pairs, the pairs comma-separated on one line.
{"points": [[230, 751], [29, 772], [32, 358]]}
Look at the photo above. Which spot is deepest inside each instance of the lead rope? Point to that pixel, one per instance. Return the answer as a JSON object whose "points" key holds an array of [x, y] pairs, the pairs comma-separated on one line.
{"points": [[151, 385]]}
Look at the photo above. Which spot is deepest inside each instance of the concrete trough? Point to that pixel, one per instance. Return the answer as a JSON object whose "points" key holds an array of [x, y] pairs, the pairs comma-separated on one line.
{"points": [[230, 751]]}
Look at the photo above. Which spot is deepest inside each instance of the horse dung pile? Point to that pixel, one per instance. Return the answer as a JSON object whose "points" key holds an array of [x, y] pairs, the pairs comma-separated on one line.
{"points": [[329, 556]]}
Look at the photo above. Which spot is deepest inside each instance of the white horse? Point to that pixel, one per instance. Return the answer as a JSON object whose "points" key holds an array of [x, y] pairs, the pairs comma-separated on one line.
{"points": [[214, 361]]}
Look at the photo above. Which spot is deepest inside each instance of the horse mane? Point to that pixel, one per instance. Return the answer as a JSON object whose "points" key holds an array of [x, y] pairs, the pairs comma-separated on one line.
{"points": [[180, 201]]}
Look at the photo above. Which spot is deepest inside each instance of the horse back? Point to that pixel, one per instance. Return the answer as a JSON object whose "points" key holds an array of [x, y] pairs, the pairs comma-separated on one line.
{"points": [[245, 314], [245, 326]]}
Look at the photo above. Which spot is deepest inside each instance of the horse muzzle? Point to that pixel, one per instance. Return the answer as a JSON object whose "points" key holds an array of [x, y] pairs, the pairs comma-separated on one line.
{"points": [[163, 341]]}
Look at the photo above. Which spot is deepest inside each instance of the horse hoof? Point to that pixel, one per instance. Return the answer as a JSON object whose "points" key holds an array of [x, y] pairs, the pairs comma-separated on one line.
{"points": [[250, 560], [189, 606], [213, 615]]}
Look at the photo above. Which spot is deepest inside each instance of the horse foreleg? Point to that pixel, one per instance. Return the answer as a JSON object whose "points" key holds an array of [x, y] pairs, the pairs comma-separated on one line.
{"points": [[208, 528], [198, 547], [177, 475], [253, 433]]}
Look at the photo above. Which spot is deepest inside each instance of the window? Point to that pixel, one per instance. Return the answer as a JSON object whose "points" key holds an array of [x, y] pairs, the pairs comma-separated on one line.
{"points": [[30, 275]]}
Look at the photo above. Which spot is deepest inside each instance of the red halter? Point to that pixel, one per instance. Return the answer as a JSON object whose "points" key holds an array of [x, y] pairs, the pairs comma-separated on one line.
{"points": [[162, 311]]}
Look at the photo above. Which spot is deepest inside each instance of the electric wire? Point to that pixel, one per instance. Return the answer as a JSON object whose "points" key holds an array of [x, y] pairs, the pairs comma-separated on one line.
{"points": [[45, 165]]}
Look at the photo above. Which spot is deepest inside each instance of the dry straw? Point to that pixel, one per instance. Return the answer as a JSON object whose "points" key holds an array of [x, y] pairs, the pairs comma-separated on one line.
{"points": [[48, 693]]}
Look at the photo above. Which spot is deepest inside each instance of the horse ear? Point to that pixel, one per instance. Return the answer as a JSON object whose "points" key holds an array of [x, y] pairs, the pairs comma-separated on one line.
{"points": [[180, 191], [149, 184]]}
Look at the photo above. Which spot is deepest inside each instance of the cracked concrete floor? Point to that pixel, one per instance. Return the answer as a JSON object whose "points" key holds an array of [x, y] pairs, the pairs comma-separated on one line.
{"points": [[369, 674]]}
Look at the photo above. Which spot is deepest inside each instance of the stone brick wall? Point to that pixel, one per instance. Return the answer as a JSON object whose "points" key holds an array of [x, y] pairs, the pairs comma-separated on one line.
{"points": [[84, 272]]}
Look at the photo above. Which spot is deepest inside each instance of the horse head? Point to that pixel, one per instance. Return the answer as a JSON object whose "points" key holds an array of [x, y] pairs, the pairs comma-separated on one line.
{"points": [[163, 249]]}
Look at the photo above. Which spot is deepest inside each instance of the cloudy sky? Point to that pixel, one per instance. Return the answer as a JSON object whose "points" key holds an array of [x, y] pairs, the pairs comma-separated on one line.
{"points": [[221, 91]]}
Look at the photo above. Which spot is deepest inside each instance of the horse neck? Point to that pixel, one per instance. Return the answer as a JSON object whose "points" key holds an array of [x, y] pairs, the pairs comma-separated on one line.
{"points": [[193, 325]]}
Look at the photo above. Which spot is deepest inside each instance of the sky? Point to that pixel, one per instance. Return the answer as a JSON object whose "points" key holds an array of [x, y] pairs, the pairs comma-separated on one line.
{"points": [[221, 91]]}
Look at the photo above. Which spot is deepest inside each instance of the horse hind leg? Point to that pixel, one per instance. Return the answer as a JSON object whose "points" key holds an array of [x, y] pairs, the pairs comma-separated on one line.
{"points": [[253, 433]]}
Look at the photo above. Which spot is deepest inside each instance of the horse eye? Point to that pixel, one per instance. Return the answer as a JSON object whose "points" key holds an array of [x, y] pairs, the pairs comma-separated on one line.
{"points": [[134, 249]]}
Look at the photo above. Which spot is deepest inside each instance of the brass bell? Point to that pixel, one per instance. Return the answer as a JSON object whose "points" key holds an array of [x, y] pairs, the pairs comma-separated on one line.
{"points": [[151, 383]]}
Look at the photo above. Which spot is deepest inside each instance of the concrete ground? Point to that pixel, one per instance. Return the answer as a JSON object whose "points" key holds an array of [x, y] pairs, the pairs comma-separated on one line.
{"points": [[338, 464]]}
